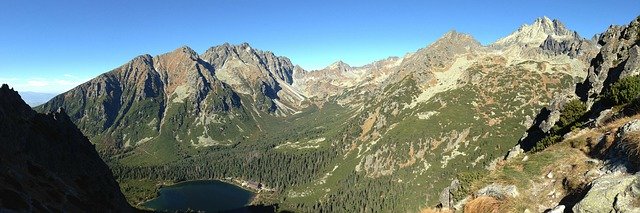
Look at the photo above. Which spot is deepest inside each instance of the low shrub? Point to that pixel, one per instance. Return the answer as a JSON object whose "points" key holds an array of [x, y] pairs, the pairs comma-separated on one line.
{"points": [[569, 120], [546, 142], [466, 179], [570, 114], [624, 91]]}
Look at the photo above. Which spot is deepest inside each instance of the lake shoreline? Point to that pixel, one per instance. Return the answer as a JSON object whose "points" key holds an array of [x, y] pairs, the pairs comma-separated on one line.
{"points": [[234, 182]]}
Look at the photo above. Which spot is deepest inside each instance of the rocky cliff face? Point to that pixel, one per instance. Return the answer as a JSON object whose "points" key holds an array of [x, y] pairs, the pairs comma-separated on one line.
{"points": [[48, 165], [255, 72], [574, 48], [619, 57]]}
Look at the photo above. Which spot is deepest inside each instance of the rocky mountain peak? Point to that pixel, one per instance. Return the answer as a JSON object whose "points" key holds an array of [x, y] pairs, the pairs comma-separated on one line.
{"points": [[245, 46], [450, 44], [253, 62], [226, 50], [339, 65], [144, 57], [537, 32], [12, 102], [185, 51], [453, 34], [252, 71], [459, 38]]}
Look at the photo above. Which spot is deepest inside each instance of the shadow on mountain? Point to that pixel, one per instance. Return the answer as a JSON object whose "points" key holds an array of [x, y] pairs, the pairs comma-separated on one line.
{"points": [[534, 133]]}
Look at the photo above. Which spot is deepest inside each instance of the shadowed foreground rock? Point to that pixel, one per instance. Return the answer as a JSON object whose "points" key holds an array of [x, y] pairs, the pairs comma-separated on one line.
{"points": [[48, 165]]}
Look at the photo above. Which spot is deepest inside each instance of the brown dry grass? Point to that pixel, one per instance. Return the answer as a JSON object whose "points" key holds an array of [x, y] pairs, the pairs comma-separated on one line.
{"points": [[434, 210], [630, 145], [614, 124], [588, 142], [412, 158], [482, 204], [368, 124]]}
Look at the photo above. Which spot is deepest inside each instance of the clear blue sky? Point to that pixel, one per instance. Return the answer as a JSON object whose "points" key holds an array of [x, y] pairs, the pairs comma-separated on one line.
{"points": [[54, 45]]}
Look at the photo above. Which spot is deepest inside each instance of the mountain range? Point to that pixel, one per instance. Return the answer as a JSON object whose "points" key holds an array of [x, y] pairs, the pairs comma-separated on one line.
{"points": [[398, 134]]}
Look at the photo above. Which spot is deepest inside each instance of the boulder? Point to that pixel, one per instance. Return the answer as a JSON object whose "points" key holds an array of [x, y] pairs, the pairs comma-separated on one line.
{"points": [[625, 200], [498, 191], [460, 204], [554, 116], [514, 152], [632, 67], [611, 193], [603, 116], [630, 126], [446, 196]]}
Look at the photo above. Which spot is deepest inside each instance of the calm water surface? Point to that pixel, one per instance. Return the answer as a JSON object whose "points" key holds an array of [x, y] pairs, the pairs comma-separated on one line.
{"points": [[203, 195]]}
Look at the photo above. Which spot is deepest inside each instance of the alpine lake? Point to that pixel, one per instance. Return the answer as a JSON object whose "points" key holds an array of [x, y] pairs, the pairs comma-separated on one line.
{"points": [[200, 195]]}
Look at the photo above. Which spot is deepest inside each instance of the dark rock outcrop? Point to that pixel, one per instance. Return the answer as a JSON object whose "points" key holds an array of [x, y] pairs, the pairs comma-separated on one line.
{"points": [[618, 58], [573, 48], [48, 165]]}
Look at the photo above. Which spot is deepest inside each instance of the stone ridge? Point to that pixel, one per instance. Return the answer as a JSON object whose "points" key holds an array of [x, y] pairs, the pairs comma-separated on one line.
{"points": [[452, 42], [280, 67], [537, 32], [48, 165], [340, 65]]}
